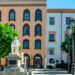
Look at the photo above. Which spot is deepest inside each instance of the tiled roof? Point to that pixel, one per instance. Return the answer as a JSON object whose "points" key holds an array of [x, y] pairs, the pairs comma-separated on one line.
{"points": [[22, 0], [60, 10]]}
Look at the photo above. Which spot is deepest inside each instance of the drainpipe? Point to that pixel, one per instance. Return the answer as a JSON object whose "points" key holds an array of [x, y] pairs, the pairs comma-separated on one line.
{"points": [[61, 34]]}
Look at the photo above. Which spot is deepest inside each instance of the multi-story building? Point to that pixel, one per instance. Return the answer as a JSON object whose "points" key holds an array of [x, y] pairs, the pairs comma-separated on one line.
{"points": [[28, 17], [57, 21]]}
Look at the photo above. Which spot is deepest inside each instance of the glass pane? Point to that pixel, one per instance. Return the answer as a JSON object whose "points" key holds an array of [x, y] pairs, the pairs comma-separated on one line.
{"points": [[25, 44], [38, 15], [26, 15], [51, 20], [38, 30], [68, 20], [13, 27], [38, 44], [12, 16], [51, 37], [66, 36], [26, 29]]}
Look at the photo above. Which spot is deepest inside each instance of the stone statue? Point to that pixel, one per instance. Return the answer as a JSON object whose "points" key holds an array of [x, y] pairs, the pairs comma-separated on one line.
{"points": [[15, 46]]}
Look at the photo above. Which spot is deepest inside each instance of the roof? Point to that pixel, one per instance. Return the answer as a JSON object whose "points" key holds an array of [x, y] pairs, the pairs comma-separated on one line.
{"points": [[60, 10], [22, 0]]}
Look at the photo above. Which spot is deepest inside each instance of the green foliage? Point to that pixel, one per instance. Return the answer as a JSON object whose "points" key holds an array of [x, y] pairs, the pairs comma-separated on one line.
{"points": [[7, 34], [20, 47]]}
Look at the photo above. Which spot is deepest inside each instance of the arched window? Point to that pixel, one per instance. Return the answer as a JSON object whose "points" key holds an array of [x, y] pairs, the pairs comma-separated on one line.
{"points": [[26, 29], [0, 15], [37, 44], [38, 15], [13, 26], [26, 44], [26, 14], [12, 15], [38, 29]]}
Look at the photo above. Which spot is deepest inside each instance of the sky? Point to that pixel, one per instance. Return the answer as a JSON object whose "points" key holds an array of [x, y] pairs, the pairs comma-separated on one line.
{"points": [[70, 4]]}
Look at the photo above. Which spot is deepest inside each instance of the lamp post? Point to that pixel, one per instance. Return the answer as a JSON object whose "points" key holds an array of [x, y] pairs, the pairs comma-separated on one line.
{"points": [[68, 31], [71, 30]]}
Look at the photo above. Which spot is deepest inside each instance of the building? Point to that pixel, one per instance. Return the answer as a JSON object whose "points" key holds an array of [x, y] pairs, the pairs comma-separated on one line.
{"points": [[57, 21], [28, 17]]}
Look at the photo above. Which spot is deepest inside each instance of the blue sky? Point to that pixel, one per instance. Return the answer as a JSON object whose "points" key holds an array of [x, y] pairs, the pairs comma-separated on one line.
{"points": [[61, 4]]}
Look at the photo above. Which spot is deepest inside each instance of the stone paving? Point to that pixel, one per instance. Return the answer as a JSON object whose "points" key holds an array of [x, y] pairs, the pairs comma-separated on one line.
{"points": [[50, 72]]}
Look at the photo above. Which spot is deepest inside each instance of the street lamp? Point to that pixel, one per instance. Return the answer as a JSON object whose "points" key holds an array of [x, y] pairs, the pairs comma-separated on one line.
{"points": [[71, 31], [68, 31]]}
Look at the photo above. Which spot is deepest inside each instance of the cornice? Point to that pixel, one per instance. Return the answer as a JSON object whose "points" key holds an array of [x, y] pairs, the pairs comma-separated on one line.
{"points": [[22, 0], [22, 4]]}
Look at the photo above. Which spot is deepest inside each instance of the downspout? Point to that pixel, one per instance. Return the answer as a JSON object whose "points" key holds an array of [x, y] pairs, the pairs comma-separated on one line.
{"points": [[61, 35]]}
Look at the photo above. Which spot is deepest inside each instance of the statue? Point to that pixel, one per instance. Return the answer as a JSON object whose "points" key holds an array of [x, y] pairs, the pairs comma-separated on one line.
{"points": [[15, 46]]}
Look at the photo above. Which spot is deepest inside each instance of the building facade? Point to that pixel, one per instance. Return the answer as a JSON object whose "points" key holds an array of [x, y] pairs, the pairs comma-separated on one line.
{"points": [[57, 21], [28, 17]]}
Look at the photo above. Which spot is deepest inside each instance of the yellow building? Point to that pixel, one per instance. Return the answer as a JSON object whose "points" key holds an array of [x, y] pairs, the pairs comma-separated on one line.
{"points": [[28, 17]]}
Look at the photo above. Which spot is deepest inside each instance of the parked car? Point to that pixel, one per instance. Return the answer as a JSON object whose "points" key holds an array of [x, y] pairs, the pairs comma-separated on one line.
{"points": [[52, 64]]}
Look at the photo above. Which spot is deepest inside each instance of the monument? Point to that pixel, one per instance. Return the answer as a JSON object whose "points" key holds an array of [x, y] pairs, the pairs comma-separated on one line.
{"points": [[14, 58]]}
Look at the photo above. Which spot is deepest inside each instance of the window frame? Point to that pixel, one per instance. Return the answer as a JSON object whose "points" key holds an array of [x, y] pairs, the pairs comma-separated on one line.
{"points": [[51, 49], [24, 13], [29, 29], [40, 13], [14, 15], [40, 30], [23, 43], [12, 25], [50, 20], [35, 43], [49, 35], [66, 20]]}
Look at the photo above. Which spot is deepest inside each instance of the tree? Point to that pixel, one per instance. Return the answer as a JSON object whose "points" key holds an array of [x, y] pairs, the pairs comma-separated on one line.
{"points": [[7, 34]]}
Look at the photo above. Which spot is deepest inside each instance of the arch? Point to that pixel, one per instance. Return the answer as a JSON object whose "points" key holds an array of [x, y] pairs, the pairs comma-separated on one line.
{"points": [[26, 44], [37, 61], [38, 30], [26, 29], [37, 44], [12, 15], [28, 59], [38, 15], [26, 15], [12, 25]]}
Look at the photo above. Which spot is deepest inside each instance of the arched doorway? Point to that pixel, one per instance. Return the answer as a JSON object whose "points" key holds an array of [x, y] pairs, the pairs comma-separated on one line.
{"points": [[27, 57], [37, 61]]}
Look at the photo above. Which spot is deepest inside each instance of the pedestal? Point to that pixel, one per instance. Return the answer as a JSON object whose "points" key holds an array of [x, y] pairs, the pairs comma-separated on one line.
{"points": [[13, 60]]}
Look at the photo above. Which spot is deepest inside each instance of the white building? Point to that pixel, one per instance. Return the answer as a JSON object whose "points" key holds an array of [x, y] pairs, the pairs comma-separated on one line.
{"points": [[57, 21]]}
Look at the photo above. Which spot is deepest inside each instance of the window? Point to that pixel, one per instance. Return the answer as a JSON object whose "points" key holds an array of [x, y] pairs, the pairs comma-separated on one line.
{"points": [[38, 44], [52, 37], [38, 30], [12, 15], [26, 15], [52, 20], [13, 26], [26, 44], [68, 20], [0, 15], [51, 52], [66, 36], [38, 15], [26, 29]]}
